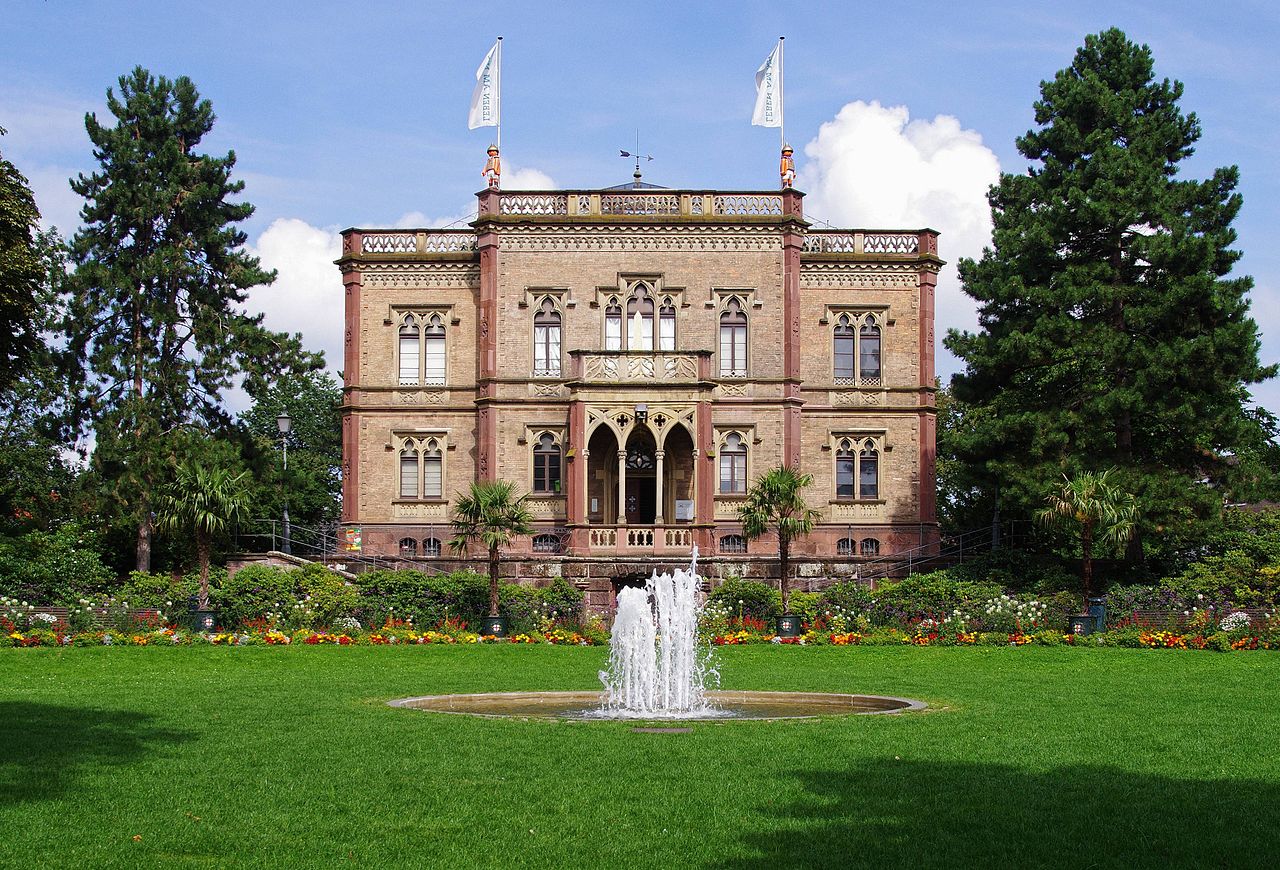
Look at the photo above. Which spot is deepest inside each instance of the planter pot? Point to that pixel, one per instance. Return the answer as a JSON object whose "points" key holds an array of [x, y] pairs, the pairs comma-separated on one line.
{"points": [[203, 620], [788, 625], [1084, 623], [494, 625]]}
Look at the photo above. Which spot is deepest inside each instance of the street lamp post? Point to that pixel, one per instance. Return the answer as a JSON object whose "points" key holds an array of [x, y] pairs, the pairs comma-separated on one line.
{"points": [[285, 424]]}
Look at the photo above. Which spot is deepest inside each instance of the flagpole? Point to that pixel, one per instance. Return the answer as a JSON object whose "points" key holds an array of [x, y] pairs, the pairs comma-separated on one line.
{"points": [[498, 114], [782, 100]]}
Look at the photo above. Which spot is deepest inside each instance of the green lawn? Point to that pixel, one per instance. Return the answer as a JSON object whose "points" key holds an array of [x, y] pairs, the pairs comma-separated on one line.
{"points": [[262, 756]]}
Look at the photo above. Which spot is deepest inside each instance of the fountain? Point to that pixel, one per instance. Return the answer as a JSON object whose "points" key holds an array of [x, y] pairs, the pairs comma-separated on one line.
{"points": [[654, 667], [656, 671]]}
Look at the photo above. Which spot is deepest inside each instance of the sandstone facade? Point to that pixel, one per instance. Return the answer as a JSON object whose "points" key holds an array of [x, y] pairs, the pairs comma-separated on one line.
{"points": [[633, 359]]}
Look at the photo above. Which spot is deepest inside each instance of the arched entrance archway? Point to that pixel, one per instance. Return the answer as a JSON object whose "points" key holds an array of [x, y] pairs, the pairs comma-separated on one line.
{"points": [[640, 501]]}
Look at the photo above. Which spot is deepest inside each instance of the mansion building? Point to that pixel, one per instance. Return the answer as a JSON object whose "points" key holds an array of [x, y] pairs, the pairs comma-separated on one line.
{"points": [[634, 358]]}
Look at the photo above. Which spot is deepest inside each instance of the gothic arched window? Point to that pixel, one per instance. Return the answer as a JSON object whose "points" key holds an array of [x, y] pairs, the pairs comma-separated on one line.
{"points": [[844, 349], [410, 350], [844, 547], [733, 341], [667, 325], [408, 473], [613, 325], [546, 341], [733, 465], [733, 544], [546, 465], [869, 472], [869, 547], [433, 355], [431, 547], [640, 319], [869, 353], [408, 547], [432, 470], [844, 469]]}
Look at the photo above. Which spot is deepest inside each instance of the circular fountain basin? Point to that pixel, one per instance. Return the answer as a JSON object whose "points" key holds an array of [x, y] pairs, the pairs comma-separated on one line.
{"points": [[724, 706]]}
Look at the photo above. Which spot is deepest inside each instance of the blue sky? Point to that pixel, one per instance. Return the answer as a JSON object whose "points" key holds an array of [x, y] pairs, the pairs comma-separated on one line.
{"points": [[355, 114]]}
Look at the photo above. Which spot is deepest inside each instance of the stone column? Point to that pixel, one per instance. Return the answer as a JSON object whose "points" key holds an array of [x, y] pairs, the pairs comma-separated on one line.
{"points": [[657, 483], [622, 489], [792, 244]]}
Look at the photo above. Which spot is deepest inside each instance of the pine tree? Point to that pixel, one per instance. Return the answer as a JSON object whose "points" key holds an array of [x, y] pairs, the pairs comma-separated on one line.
{"points": [[155, 317], [1110, 333]]}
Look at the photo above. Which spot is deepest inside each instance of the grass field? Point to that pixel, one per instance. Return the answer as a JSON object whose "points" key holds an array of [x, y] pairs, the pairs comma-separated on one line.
{"points": [[290, 757]]}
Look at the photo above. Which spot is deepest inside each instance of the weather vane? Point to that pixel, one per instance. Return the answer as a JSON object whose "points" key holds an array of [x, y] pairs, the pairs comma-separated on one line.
{"points": [[637, 155]]}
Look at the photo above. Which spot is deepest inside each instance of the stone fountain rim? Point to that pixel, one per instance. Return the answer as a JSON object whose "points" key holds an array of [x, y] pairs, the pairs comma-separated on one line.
{"points": [[834, 699]]}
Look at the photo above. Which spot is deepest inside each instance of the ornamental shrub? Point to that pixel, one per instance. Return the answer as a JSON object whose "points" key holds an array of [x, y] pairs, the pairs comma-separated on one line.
{"points": [[563, 598], [329, 595], [164, 592], [53, 568], [758, 599], [924, 595], [850, 596], [253, 592]]}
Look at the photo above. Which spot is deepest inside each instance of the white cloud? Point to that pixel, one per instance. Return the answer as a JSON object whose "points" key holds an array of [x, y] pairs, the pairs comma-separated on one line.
{"points": [[521, 178], [873, 167], [307, 294]]}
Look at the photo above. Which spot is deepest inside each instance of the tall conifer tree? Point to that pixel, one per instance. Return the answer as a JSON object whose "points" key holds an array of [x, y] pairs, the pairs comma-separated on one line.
{"points": [[155, 316], [1110, 332]]}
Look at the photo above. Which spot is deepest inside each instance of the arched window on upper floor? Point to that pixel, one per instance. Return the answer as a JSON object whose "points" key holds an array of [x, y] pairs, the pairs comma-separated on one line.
{"points": [[640, 318], [733, 341], [613, 325], [546, 341], [667, 325], [410, 347]]}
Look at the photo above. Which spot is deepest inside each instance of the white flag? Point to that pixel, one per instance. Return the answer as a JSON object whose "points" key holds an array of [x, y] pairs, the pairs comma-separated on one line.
{"points": [[486, 99], [768, 111]]}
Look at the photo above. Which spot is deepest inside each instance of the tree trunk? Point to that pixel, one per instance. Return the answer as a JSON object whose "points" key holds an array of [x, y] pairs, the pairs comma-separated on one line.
{"points": [[202, 555], [144, 541], [1086, 569], [784, 566], [493, 581]]}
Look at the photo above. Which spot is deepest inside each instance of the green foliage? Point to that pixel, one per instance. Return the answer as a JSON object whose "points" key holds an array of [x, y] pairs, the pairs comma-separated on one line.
{"points": [[328, 594], [155, 316], [57, 567], [562, 598], [850, 596], [1101, 247], [492, 515], [205, 498], [21, 273], [747, 598], [253, 592], [164, 592], [775, 503], [935, 594], [313, 483]]}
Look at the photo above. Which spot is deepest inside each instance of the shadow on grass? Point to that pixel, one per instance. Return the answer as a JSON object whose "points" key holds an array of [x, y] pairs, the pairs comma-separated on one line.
{"points": [[896, 813], [43, 747]]}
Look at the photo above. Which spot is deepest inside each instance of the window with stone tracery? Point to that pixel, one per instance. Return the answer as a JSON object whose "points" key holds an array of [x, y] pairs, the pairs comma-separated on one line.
{"points": [[421, 349], [421, 468], [546, 341], [546, 465], [640, 309], [856, 350], [733, 341], [857, 469], [733, 465]]}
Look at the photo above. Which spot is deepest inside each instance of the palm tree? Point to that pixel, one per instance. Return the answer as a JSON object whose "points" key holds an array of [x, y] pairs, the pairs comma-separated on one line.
{"points": [[1106, 515], [775, 503], [492, 514], [206, 500]]}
